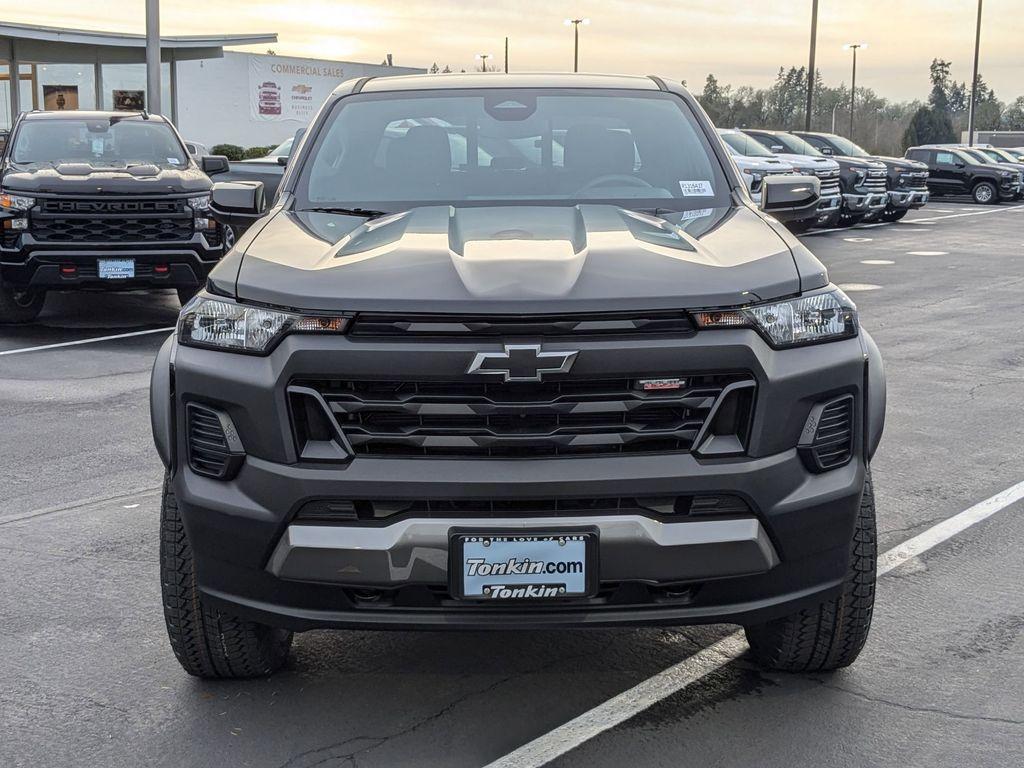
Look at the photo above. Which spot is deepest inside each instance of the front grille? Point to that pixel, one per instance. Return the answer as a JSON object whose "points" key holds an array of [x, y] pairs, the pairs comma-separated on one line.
{"points": [[875, 182], [917, 181], [832, 445], [59, 220], [335, 511], [604, 324], [524, 419], [211, 442]]}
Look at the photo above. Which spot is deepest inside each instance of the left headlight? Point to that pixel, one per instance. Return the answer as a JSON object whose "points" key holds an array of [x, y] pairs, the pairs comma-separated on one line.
{"points": [[16, 202], [201, 203], [224, 324], [806, 320]]}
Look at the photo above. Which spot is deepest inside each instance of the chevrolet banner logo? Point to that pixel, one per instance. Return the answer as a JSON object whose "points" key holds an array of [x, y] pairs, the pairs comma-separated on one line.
{"points": [[522, 362]]}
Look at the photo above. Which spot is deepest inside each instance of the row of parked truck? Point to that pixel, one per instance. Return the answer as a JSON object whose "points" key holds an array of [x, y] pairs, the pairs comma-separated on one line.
{"points": [[857, 186]]}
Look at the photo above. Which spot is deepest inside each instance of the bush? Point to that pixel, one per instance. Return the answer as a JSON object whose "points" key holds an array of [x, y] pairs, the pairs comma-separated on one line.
{"points": [[230, 151], [252, 152]]}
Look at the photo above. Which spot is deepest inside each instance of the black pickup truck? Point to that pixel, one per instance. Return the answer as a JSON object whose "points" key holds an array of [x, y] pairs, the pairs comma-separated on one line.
{"points": [[953, 171], [102, 201]]}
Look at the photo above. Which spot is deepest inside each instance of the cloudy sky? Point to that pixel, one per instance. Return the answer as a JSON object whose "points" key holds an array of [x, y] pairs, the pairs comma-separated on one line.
{"points": [[742, 42]]}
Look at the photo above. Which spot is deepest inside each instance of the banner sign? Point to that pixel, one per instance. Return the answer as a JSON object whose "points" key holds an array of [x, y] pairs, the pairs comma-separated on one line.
{"points": [[281, 88]]}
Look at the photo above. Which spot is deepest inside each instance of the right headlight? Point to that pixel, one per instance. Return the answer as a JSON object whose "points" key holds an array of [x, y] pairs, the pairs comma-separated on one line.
{"points": [[828, 316], [217, 323]]}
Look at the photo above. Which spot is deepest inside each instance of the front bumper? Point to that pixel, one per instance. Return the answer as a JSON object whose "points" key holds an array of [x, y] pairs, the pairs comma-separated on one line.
{"points": [[254, 559], [865, 203], [908, 199]]}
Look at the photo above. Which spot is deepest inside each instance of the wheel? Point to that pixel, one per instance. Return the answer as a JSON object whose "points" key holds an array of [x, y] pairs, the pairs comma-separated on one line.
{"points": [[185, 294], [832, 634], [799, 227], [984, 192], [894, 215], [848, 220], [17, 306], [206, 641]]}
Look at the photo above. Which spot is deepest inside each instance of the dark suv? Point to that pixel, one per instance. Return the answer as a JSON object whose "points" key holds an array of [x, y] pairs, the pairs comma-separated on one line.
{"points": [[952, 171], [906, 180], [516, 353], [862, 179], [102, 201]]}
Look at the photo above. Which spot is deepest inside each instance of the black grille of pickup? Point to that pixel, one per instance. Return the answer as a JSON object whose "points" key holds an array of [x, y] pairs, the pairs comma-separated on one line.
{"points": [[340, 511], [918, 180], [604, 324], [518, 419], [111, 221]]}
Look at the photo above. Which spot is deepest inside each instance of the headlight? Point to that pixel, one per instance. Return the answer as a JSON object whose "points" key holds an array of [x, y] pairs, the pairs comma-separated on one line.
{"points": [[16, 202], [201, 203], [1006, 174], [223, 324], [806, 320]]}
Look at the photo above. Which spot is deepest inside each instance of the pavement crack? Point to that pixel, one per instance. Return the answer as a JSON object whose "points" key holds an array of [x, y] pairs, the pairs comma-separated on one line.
{"points": [[918, 709]]}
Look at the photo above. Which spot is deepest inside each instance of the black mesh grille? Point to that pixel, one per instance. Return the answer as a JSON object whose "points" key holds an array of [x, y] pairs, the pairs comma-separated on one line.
{"points": [[833, 440], [208, 451], [460, 418], [378, 325], [335, 511], [111, 221]]}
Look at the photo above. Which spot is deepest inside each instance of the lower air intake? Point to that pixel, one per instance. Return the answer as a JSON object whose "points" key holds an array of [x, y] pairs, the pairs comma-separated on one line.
{"points": [[214, 449], [831, 445]]}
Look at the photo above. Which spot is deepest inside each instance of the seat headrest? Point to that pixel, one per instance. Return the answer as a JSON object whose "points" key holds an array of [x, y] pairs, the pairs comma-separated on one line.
{"points": [[598, 150], [423, 149]]}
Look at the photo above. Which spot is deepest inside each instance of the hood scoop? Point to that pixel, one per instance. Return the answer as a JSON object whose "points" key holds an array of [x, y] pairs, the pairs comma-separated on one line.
{"points": [[87, 169]]}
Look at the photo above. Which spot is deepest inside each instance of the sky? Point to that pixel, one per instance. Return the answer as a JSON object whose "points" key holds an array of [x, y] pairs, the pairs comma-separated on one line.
{"points": [[741, 42]]}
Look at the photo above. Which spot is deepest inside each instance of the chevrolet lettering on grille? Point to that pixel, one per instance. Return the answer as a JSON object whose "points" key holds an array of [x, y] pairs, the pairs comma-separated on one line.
{"points": [[522, 362]]}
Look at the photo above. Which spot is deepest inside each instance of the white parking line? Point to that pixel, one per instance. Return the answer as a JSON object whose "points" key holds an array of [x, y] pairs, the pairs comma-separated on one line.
{"points": [[627, 704], [85, 341], [958, 215]]}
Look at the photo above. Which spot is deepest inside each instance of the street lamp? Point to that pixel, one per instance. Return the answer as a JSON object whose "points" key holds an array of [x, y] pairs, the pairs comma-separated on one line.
{"points": [[853, 81], [576, 40], [974, 82], [482, 58]]}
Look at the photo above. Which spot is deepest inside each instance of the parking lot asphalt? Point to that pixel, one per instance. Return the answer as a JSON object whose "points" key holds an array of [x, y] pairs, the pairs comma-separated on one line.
{"points": [[87, 677]]}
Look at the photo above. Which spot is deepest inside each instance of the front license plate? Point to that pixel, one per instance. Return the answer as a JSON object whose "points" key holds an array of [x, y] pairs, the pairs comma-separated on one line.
{"points": [[524, 566], [116, 269]]}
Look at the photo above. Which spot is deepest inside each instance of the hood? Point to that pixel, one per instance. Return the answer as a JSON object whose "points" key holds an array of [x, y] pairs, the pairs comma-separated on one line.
{"points": [[762, 163], [902, 163], [808, 162], [509, 259], [89, 179], [863, 162]]}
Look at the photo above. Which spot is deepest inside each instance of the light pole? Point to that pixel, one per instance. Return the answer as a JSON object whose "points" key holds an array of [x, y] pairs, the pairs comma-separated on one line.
{"points": [[153, 56], [482, 58], [853, 81], [834, 108], [810, 66], [576, 40], [974, 82]]}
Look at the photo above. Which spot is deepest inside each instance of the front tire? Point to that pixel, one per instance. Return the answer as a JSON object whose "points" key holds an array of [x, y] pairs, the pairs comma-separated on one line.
{"points": [[894, 215], [208, 642], [19, 307], [832, 634], [985, 193]]}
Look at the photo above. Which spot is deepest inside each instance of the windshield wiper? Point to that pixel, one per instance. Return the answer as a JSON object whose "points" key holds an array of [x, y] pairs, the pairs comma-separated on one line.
{"points": [[366, 212]]}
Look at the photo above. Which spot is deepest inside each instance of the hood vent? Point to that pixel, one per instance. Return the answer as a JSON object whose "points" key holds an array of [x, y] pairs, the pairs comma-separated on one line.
{"points": [[676, 324]]}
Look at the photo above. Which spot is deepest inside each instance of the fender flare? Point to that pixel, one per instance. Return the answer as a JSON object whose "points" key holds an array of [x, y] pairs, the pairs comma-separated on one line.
{"points": [[874, 395], [161, 402]]}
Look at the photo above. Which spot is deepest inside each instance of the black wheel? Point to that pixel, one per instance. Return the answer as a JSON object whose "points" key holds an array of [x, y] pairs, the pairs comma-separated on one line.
{"points": [[985, 193], [832, 634], [185, 294], [894, 215], [799, 227], [20, 306], [848, 220], [208, 642]]}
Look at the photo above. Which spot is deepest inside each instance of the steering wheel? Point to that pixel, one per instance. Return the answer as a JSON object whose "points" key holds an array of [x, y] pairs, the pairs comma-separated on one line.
{"points": [[608, 178]]}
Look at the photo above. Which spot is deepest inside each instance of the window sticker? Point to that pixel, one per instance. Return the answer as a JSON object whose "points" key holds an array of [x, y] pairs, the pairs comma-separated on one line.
{"points": [[97, 146], [173, 160], [697, 214], [696, 189]]}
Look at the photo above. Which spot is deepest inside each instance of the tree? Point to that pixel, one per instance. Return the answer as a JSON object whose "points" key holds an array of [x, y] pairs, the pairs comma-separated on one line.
{"points": [[928, 127], [434, 69], [1012, 118], [715, 100], [939, 75]]}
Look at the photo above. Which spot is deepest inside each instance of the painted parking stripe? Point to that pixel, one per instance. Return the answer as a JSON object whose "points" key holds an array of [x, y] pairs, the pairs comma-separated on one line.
{"points": [[92, 340], [959, 215], [668, 682]]}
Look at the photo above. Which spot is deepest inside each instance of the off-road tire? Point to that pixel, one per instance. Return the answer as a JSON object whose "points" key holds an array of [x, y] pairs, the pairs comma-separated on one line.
{"points": [[832, 634], [983, 197], [894, 215], [18, 307], [206, 641]]}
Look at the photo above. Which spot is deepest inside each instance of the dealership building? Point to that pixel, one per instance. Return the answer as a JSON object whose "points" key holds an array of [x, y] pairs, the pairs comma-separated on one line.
{"points": [[213, 96]]}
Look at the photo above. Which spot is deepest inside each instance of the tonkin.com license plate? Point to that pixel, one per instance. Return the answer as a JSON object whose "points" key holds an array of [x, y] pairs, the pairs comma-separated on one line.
{"points": [[524, 566]]}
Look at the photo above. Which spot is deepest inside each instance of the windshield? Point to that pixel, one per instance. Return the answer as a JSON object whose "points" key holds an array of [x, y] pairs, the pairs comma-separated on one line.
{"points": [[283, 149], [103, 142], [977, 156], [790, 144], [487, 146], [745, 145], [847, 147]]}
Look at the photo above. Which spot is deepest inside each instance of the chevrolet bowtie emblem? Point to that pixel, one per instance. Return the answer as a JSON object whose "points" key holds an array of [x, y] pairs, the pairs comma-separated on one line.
{"points": [[522, 362]]}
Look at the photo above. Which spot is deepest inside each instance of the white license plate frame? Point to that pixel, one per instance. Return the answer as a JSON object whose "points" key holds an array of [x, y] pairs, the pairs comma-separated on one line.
{"points": [[115, 269]]}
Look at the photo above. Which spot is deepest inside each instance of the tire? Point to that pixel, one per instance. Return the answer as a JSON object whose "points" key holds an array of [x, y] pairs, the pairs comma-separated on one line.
{"points": [[799, 227], [985, 193], [185, 294], [832, 634], [894, 215], [18, 307], [208, 642], [848, 220]]}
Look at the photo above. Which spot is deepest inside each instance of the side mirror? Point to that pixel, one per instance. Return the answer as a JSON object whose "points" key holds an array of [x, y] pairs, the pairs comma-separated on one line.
{"points": [[790, 198], [959, 164], [212, 164], [237, 203], [282, 160]]}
